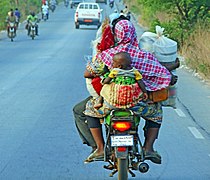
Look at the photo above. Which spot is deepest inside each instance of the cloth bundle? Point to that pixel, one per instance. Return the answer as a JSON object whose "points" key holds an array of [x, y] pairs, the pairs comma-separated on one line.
{"points": [[121, 96], [165, 50]]}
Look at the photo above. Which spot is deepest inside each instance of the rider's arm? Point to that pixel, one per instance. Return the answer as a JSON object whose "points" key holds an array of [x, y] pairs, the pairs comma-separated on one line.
{"points": [[141, 84], [173, 66], [142, 87], [112, 74], [107, 80]]}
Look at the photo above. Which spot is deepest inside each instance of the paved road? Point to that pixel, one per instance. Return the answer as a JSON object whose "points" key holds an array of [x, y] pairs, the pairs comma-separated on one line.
{"points": [[40, 82]]}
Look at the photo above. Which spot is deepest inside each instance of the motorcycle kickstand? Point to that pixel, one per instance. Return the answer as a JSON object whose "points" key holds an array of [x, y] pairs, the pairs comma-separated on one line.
{"points": [[132, 174], [113, 172]]}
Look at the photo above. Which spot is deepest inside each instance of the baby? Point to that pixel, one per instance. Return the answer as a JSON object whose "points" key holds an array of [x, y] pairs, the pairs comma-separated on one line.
{"points": [[126, 79]]}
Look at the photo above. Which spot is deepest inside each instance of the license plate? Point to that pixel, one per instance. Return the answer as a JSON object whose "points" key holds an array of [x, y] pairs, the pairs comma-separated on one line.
{"points": [[87, 20], [124, 140]]}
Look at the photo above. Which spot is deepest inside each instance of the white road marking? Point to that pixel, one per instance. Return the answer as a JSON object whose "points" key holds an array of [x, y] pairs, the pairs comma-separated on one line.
{"points": [[180, 113], [196, 133]]}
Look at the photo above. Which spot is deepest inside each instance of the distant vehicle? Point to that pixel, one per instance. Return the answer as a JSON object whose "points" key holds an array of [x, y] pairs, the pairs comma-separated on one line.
{"points": [[74, 3], [101, 1], [88, 13]]}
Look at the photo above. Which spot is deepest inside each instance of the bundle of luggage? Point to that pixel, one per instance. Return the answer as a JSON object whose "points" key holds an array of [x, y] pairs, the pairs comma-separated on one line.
{"points": [[165, 50]]}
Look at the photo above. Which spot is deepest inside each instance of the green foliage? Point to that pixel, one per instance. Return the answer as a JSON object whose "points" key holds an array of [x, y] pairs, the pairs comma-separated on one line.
{"points": [[186, 13], [25, 6], [5, 7]]}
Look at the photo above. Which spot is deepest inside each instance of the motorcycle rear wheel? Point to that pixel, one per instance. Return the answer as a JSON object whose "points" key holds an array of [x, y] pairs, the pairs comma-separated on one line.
{"points": [[122, 169]]}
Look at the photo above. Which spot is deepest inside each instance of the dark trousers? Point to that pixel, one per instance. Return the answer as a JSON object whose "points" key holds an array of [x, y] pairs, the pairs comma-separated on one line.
{"points": [[81, 123]]}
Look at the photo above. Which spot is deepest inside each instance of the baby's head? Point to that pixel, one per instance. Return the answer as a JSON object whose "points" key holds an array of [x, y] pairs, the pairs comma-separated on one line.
{"points": [[122, 60]]}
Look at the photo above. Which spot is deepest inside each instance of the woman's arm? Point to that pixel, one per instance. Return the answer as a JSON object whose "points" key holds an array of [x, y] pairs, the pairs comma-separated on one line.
{"points": [[173, 66], [87, 74]]}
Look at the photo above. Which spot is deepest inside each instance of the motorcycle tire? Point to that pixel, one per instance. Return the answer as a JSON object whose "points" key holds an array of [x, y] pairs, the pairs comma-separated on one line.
{"points": [[32, 35], [122, 169], [77, 25]]}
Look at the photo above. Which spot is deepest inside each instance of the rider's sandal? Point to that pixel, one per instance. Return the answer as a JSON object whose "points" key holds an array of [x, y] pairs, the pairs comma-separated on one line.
{"points": [[152, 156], [94, 157]]}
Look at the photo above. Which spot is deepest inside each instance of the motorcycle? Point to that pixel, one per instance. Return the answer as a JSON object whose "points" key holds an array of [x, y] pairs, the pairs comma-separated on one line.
{"points": [[66, 3], [123, 148], [32, 30], [52, 7], [128, 16], [12, 30], [111, 3], [45, 15]]}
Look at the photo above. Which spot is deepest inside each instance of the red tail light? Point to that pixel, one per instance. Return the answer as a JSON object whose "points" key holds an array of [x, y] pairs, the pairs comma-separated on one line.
{"points": [[121, 149], [76, 16], [121, 126]]}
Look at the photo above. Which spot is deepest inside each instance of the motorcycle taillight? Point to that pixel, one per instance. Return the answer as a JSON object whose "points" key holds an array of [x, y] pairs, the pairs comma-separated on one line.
{"points": [[121, 126], [121, 149]]}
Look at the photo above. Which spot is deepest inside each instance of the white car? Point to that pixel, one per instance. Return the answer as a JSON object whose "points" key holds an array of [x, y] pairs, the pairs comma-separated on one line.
{"points": [[88, 13]]}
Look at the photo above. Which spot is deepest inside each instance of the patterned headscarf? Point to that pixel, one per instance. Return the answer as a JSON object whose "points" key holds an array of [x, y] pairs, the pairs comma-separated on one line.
{"points": [[155, 76]]}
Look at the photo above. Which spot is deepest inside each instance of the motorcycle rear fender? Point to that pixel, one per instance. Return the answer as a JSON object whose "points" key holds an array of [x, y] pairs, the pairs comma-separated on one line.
{"points": [[121, 113], [121, 155]]}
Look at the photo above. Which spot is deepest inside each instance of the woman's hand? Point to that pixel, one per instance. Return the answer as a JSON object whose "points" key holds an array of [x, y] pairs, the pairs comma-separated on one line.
{"points": [[145, 96], [87, 74], [174, 79]]}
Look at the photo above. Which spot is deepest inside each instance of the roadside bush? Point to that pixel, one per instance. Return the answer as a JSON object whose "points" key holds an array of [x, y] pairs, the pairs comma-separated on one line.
{"points": [[185, 21]]}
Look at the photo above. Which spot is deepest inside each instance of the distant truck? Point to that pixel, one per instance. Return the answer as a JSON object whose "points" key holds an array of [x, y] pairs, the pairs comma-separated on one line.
{"points": [[88, 14]]}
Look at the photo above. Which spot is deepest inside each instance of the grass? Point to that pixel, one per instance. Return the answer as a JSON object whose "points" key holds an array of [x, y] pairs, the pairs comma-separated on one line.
{"points": [[196, 51]]}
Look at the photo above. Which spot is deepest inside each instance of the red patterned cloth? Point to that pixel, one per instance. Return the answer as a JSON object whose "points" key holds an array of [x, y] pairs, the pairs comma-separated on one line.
{"points": [[121, 96], [155, 76], [107, 39]]}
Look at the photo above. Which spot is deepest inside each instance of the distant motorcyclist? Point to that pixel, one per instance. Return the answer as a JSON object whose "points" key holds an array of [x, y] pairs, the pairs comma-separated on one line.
{"points": [[18, 15], [126, 12], [66, 3], [111, 3], [45, 9], [52, 2], [11, 18], [52, 5], [32, 18]]}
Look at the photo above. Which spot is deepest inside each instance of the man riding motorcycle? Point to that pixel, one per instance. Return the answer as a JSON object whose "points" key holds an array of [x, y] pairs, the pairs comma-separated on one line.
{"points": [[45, 10], [11, 18], [32, 18]]}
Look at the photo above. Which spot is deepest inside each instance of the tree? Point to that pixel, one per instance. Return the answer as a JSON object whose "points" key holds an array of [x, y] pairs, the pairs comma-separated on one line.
{"points": [[186, 13]]}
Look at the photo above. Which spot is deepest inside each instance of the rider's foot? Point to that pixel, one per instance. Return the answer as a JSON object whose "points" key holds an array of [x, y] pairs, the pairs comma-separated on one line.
{"points": [[93, 149], [95, 156], [152, 156]]}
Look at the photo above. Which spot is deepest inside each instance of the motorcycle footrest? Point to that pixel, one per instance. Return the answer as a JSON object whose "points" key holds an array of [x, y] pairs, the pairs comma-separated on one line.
{"points": [[109, 167]]}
